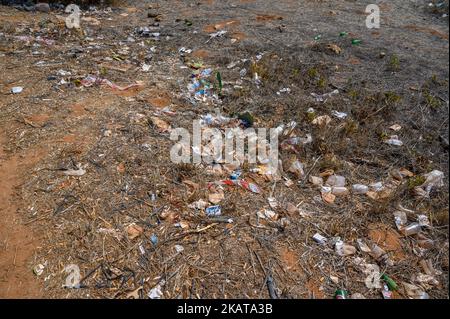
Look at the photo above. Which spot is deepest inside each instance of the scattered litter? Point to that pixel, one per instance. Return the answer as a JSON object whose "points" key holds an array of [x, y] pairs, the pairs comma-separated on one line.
{"points": [[393, 140], [283, 90], [17, 89], [38, 269], [107, 92], [336, 181], [322, 120], [400, 219], [392, 285], [243, 183], [395, 127], [339, 191], [339, 115], [363, 246], [221, 219], [156, 292], [376, 187], [372, 271], [428, 268], [360, 189], [387, 294], [266, 214], [212, 211], [218, 34], [154, 239], [273, 203], [412, 229], [343, 249], [80, 171], [297, 169], [91, 80], [423, 220], [200, 204], [341, 294], [415, 292], [434, 179], [315, 180], [179, 248], [319, 239], [146, 67], [324, 97]]}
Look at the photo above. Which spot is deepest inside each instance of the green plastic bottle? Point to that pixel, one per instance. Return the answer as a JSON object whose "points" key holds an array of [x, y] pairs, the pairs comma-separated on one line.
{"points": [[390, 283], [341, 294]]}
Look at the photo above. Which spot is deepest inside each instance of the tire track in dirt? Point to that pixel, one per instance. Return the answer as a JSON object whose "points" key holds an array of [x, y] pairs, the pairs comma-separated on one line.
{"points": [[17, 243]]}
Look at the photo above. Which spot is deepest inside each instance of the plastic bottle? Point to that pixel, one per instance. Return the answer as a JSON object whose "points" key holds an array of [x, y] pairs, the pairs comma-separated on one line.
{"points": [[341, 294], [412, 229], [360, 189]]}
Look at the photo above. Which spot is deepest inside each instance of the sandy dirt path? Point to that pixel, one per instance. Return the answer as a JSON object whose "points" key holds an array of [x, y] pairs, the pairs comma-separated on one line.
{"points": [[17, 242]]}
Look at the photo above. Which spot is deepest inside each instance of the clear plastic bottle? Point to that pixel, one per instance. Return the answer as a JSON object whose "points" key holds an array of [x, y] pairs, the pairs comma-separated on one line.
{"points": [[412, 229]]}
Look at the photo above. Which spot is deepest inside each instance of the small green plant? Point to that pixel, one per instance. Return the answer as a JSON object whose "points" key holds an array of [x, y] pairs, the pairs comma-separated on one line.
{"points": [[430, 100], [394, 63], [103, 71], [322, 82], [313, 73], [260, 69], [311, 116], [415, 181], [353, 94], [350, 127], [383, 136], [391, 97], [434, 79], [219, 80]]}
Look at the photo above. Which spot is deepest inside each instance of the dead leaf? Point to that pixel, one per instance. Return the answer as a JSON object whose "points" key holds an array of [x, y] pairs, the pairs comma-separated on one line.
{"points": [[134, 293], [406, 172], [134, 231], [168, 215], [326, 173], [322, 120], [162, 125], [291, 208], [217, 197], [121, 168], [372, 195], [334, 48], [395, 127]]}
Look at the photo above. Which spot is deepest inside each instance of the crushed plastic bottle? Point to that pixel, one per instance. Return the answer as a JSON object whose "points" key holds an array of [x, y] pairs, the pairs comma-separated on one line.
{"points": [[412, 229], [360, 189]]}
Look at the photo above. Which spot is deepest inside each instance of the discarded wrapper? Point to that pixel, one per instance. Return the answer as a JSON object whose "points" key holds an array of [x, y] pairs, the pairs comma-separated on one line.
{"points": [[319, 239], [213, 211]]}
